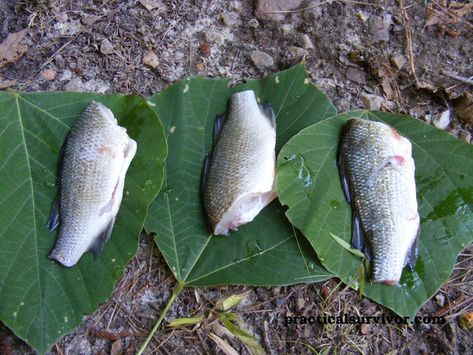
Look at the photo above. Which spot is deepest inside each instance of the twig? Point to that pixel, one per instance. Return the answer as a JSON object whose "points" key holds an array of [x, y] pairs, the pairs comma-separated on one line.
{"points": [[176, 293], [410, 52], [449, 74]]}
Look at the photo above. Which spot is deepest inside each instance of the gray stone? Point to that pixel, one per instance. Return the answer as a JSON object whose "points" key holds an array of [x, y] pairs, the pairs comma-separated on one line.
{"points": [[305, 41], [261, 59], [356, 75], [106, 47], [297, 52], [372, 102], [442, 120], [230, 19], [379, 28], [274, 9], [398, 61]]}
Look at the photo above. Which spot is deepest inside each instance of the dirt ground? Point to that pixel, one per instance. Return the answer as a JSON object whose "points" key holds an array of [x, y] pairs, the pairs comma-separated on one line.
{"points": [[412, 57]]}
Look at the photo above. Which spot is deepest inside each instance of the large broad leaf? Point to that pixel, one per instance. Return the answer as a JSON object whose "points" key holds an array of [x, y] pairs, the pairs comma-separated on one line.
{"points": [[39, 299], [266, 251], [308, 182]]}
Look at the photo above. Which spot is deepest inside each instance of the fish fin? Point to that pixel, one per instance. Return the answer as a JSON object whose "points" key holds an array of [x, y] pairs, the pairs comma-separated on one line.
{"points": [[218, 124], [203, 177], [411, 257], [343, 176], [97, 246], [267, 110], [358, 239], [53, 220]]}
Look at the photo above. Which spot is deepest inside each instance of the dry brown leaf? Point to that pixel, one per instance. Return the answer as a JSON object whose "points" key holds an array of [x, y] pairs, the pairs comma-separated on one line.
{"points": [[13, 47], [464, 108]]}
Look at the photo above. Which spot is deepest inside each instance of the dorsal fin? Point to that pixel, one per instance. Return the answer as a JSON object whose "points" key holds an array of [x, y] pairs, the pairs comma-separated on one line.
{"points": [[267, 110], [53, 220], [411, 257]]}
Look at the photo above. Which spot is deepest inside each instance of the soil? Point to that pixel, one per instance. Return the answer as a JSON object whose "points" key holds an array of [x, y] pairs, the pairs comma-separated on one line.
{"points": [[376, 55]]}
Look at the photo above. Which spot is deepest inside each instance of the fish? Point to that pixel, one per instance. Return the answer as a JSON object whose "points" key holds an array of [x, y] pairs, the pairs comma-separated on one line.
{"points": [[238, 174], [91, 175], [377, 175]]}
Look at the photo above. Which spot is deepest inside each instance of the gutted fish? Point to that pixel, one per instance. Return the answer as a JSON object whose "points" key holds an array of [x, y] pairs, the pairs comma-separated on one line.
{"points": [[92, 169], [238, 175], [377, 174]]}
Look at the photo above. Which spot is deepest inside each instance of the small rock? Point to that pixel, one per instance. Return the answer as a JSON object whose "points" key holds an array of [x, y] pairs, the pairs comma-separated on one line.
{"points": [[398, 61], [151, 59], [261, 59], [356, 75], [60, 62], [379, 28], [200, 66], [48, 74], [106, 47], [117, 347], [440, 300], [365, 328], [466, 321], [286, 29], [428, 118], [442, 120], [65, 75], [89, 20], [272, 9], [363, 16], [215, 37], [154, 5], [372, 102], [76, 85], [230, 19], [69, 27], [300, 303], [306, 42], [253, 23], [297, 52]]}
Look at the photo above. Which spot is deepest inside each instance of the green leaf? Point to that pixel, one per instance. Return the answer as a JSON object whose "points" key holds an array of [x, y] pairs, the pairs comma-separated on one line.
{"points": [[267, 251], [41, 300], [184, 322], [308, 183]]}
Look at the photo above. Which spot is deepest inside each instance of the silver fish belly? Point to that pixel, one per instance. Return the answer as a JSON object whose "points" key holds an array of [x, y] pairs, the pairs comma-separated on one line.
{"points": [[377, 174], [94, 161], [238, 174]]}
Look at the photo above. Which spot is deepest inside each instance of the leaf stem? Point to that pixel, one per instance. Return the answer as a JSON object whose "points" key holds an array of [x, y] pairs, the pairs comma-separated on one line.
{"points": [[176, 293]]}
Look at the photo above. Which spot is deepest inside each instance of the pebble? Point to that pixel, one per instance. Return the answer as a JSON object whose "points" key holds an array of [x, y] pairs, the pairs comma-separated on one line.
{"points": [[268, 9], [286, 29], [106, 47], [297, 52], [305, 41], [261, 59], [398, 61], [372, 102], [379, 28], [154, 5], [356, 75], [440, 300], [76, 85], [442, 120], [253, 23], [230, 19], [48, 74], [60, 62], [365, 329], [151, 59]]}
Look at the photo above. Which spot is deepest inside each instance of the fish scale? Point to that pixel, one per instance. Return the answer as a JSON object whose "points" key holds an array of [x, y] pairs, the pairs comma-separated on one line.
{"points": [[378, 169]]}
